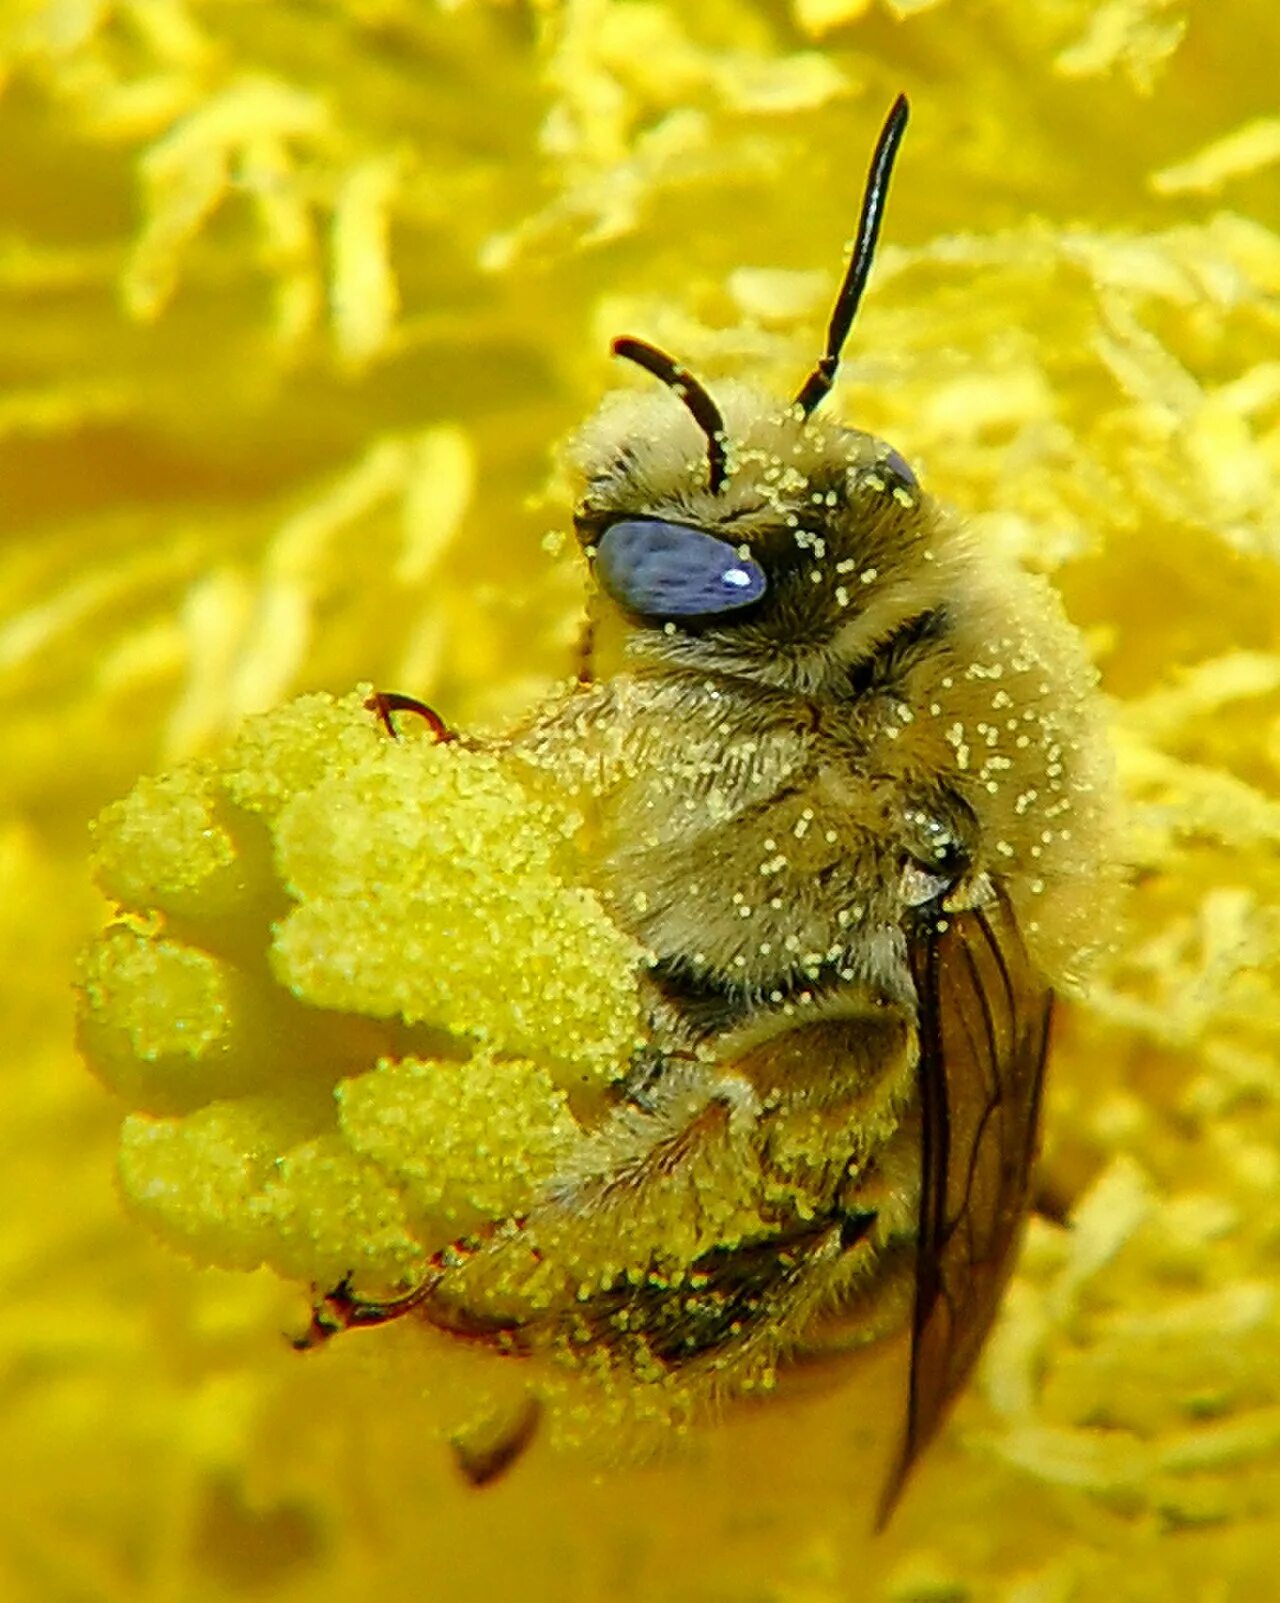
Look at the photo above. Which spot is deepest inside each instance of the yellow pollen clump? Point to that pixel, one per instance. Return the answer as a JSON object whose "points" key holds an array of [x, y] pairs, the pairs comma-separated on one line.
{"points": [[352, 981]]}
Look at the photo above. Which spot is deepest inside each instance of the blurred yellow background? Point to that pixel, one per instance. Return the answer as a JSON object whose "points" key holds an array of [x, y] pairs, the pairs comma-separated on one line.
{"points": [[296, 301]]}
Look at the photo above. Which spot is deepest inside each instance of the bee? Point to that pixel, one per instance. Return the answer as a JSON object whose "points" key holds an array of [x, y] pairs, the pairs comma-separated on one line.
{"points": [[845, 787]]}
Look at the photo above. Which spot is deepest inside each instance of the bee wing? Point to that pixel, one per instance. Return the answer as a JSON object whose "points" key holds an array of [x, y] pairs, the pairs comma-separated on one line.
{"points": [[984, 1015]]}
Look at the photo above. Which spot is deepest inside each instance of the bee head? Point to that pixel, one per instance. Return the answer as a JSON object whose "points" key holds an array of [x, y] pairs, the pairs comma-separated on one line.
{"points": [[813, 544], [750, 537]]}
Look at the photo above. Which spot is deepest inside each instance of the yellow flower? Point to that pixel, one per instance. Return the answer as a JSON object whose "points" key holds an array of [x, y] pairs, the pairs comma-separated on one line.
{"points": [[297, 301]]}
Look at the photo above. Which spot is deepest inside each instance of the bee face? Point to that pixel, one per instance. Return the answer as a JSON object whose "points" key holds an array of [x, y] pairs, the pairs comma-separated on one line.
{"points": [[842, 783], [813, 544]]}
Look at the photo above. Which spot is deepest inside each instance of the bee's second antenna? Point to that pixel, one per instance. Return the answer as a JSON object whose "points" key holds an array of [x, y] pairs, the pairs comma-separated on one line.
{"points": [[819, 382]]}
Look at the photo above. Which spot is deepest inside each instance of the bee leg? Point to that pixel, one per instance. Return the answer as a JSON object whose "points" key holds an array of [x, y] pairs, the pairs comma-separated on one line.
{"points": [[643, 1084], [383, 703], [340, 1309], [487, 1450]]}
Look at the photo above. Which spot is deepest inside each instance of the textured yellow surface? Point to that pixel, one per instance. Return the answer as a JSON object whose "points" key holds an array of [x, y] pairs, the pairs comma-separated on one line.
{"points": [[295, 302], [319, 899]]}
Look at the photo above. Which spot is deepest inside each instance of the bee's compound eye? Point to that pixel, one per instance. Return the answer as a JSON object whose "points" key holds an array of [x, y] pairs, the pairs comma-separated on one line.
{"points": [[668, 570], [896, 464]]}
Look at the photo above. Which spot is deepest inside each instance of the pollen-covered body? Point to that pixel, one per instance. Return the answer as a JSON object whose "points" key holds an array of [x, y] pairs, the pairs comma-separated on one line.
{"points": [[772, 800], [841, 782]]}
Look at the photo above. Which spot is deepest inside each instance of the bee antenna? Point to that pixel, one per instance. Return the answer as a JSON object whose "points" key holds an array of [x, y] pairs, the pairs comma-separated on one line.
{"points": [[706, 414], [819, 382]]}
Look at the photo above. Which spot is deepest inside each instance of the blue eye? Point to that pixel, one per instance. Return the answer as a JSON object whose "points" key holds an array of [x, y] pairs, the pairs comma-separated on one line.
{"points": [[897, 465], [666, 570]]}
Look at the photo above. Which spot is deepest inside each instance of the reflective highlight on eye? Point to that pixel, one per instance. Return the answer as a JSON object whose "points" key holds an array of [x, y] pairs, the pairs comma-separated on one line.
{"points": [[668, 570]]}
